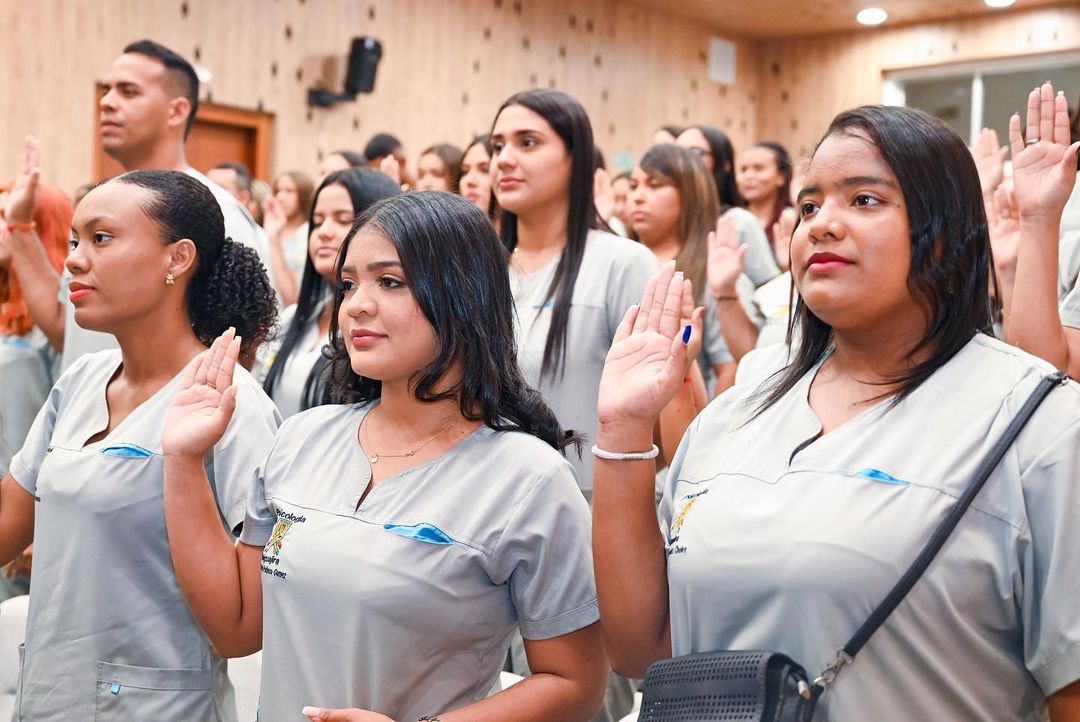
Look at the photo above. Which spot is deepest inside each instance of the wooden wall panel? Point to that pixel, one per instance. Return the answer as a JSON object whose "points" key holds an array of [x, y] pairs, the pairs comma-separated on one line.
{"points": [[446, 66], [806, 81]]}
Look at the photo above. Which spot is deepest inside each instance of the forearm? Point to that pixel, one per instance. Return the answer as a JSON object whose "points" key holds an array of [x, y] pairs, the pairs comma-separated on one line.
{"points": [[40, 285], [725, 377], [680, 412], [1034, 323], [1065, 704], [537, 698], [16, 519], [740, 332], [219, 578], [628, 554], [283, 275]]}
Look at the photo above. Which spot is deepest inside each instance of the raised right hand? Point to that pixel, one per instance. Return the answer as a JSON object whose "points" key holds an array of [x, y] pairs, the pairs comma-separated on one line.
{"points": [[648, 359], [204, 405], [274, 218], [726, 257], [989, 158], [22, 198]]}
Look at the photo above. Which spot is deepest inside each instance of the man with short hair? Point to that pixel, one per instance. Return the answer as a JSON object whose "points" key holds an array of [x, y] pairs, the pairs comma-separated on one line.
{"points": [[235, 178], [146, 114]]}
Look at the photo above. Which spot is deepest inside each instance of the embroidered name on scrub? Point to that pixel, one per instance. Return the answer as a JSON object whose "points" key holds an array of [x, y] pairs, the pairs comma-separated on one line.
{"points": [[272, 551]]}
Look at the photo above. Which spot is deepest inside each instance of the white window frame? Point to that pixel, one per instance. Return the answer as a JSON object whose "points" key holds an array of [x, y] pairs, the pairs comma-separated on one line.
{"points": [[893, 90]]}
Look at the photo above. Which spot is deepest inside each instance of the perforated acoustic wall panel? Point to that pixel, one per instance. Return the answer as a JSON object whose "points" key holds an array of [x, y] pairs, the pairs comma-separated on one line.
{"points": [[446, 67]]}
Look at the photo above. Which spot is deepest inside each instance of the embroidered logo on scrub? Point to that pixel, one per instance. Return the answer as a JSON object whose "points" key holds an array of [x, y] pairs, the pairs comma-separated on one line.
{"points": [[420, 532], [271, 556], [673, 547]]}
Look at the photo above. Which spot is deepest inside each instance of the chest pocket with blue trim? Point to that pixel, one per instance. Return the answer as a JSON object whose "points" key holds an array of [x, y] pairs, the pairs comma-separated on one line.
{"points": [[420, 532], [130, 451]]}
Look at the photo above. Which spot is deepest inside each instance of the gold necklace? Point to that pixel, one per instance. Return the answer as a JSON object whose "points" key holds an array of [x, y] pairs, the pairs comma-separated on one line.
{"points": [[375, 456]]}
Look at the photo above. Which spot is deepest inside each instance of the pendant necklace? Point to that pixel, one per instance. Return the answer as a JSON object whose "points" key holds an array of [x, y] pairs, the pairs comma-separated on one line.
{"points": [[374, 456]]}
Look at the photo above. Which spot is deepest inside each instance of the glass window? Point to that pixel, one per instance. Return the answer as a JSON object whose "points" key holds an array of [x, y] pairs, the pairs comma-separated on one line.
{"points": [[1006, 93], [946, 98]]}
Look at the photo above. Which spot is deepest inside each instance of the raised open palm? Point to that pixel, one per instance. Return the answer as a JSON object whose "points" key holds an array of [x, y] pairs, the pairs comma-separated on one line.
{"points": [[726, 257], [203, 406], [649, 357], [22, 198], [274, 218], [1044, 163]]}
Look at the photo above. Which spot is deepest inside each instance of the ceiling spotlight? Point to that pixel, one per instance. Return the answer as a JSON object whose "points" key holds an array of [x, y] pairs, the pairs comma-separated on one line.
{"points": [[999, 3], [872, 16]]}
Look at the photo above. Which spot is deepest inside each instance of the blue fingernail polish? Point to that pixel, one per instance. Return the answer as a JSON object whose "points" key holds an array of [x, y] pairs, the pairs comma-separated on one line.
{"points": [[686, 334]]}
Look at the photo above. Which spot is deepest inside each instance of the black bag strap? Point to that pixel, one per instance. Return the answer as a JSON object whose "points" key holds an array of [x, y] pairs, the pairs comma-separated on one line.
{"points": [[941, 534]]}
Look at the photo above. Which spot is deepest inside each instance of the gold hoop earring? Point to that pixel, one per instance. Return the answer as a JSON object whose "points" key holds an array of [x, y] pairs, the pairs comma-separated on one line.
{"points": [[169, 280]]}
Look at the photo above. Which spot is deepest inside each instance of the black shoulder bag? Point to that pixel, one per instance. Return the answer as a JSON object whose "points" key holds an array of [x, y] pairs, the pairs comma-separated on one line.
{"points": [[752, 686]]}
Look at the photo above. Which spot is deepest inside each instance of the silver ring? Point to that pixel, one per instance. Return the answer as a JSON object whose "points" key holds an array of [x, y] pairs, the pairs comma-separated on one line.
{"points": [[1033, 141]]}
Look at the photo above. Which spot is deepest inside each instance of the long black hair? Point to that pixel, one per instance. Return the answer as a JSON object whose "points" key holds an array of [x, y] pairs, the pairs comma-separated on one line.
{"points": [[723, 155], [365, 186], [568, 119], [951, 268], [229, 286], [455, 268]]}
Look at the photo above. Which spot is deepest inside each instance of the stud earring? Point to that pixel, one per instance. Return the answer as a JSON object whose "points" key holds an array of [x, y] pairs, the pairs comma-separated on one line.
{"points": [[169, 280]]}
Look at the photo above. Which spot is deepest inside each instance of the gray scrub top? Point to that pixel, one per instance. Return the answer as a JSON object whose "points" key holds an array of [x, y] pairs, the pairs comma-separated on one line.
{"points": [[289, 389], [774, 548], [239, 226], [25, 380], [613, 275], [109, 635], [405, 605]]}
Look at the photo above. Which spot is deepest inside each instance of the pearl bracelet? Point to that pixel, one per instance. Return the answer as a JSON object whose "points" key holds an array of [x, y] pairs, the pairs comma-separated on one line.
{"points": [[626, 455]]}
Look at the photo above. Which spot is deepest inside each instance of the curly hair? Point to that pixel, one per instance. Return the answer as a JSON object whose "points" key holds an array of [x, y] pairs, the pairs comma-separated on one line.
{"points": [[230, 286]]}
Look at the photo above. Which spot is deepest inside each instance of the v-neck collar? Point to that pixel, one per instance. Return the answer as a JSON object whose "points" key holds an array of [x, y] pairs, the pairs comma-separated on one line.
{"points": [[101, 406]]}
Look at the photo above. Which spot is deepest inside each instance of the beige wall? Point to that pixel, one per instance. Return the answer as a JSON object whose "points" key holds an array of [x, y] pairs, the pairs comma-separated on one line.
{"points": [[446, 67], [804, 82]]}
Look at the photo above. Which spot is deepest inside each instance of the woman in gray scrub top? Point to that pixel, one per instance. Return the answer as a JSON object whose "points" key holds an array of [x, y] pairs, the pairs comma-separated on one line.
{"points": [[395, 540], [571, 282], [109, 635], [293, 364], [794, 505]]}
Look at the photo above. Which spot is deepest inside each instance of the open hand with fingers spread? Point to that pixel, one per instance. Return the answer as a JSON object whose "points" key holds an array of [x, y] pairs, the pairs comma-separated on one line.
{"points": [[204, 405], [1044, 163], [650, 355]]}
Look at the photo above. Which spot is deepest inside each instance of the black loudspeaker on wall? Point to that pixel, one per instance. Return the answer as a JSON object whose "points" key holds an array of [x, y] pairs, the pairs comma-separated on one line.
{"points": [[363, 62], [364, 58]]}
